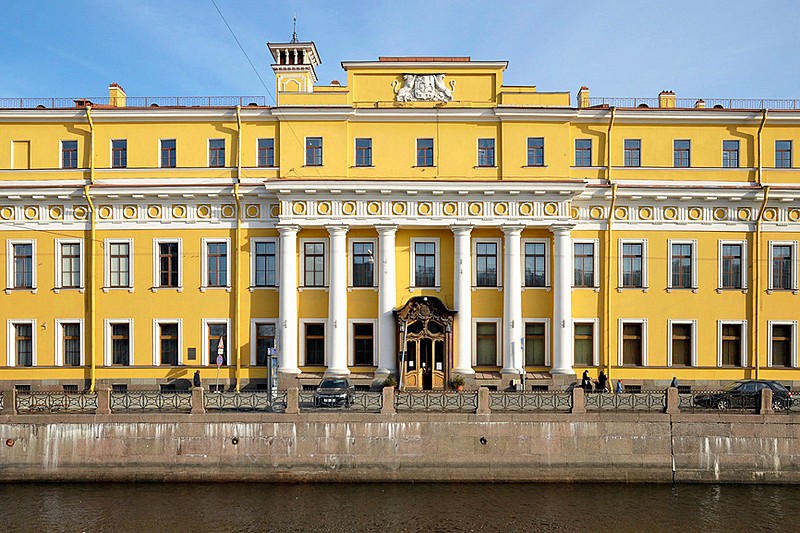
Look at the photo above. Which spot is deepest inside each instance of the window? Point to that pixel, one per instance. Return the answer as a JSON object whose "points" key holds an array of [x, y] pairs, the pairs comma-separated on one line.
{"points": [[633, 343], [731, 343], [313, 151], [424, 152], [486, 264], [118, 257], [583, 152], [536, 343], [120, 344], [216, 333], [584, 343], [69, 347], [782, 343], [682, 265], [69, 154], [681, 154], [216, 263], [23, 347], [363, 152], [168, 343], [21, 273], [68, 264], [315, 344], [265, 264], [632, 264], [584, 263], [314, 264], [425, 259], [536, 262], [168, 264], [486, 348], [364, 344], [732, 265], [730, 154], [682, 343], [783, 154], [216, 153], [535, 151], [168, 153], [119, 153], [264, 341], [266, 152], [363, 264], [783, 274], [485, 152], [633, 152]]}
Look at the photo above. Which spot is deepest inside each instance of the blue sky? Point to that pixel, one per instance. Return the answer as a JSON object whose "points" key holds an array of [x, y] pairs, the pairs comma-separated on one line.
{"points": [[699, 49]]}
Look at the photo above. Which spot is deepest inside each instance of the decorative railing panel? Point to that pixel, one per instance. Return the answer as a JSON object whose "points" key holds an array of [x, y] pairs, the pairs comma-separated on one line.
{"points": [[626, 401], [56, 402], [727, 103], [366, 401], [134, 101], [174, 401], [245, 401], [530, 401], [719, 400], [436, 401]]}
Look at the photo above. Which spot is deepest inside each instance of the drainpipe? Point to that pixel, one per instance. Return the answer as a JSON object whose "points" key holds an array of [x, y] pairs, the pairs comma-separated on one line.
{"points": [[760, 176], [609, 246], [757, 300], [90, 281], [238, 256]]}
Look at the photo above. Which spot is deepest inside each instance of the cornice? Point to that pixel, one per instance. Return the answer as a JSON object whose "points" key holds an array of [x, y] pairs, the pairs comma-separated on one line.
{"points": [[424, 65]]}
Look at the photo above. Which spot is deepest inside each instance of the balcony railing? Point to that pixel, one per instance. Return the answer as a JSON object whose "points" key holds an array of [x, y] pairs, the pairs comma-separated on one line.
{"points": [[726, 103], [134, 101]]}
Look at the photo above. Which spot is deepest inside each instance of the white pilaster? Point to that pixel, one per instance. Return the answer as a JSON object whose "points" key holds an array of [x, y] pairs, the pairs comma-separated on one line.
{"points": [[387, 297], [513, 328], [287, 307], [562, 300], [337, 302], [463, 300]]}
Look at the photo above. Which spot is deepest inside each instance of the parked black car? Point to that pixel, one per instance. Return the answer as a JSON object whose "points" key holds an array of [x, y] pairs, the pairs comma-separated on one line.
{"points": [[746, 394], [334, 392]]}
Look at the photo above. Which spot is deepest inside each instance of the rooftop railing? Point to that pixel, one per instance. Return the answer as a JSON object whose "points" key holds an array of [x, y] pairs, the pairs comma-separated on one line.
{"points": [[724, 103], [133, 101]]}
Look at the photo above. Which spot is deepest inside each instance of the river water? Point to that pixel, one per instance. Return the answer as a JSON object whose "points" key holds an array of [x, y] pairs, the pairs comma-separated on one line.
{"points": [[146, 507]]}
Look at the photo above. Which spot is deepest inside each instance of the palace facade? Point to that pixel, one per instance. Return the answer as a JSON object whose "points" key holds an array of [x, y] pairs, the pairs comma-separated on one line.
{"points": [[423, 220]]}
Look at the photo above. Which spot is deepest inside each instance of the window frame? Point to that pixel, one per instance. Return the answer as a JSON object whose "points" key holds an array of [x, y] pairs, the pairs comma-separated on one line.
{"points": [[351, 351], [498, 328], [162, 150], [204, 282], [792, 341], [498, 255], [693, 260], [59, 267], [421, 157], [595, 263], [107, 270], [533, 151], [726, 154], [357, 151], [303, 322], [205, 359], [254, 323], [254, 241], [742, 338], [621, 265], [793, 262], [486, 154], [693, 343], [436, 262], [622, 322], [70, 150], [119, 150], [215, 151], [626, 151], [157, 323], [581, 152], [546, 323], [309, 155], [157, 242], [108, 355], [268, 153], [351, 242], [11, 341], [743, 272], [595, 323], [678, 151], [546, 244], [11, 270], [789, 152], [325, 262], [60, 354]]}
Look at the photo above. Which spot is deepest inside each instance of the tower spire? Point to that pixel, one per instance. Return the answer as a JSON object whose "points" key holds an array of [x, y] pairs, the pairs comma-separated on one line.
{"points": [[294, 28]]}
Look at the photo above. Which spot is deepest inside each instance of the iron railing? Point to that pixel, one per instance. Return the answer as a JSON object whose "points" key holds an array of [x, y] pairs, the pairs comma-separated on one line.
{"points": [[366, 401], [436, 401], [719, 400], [530, 401], [727, 103], [150, 400], [654, 400], [56, 402], [245, 401], [134, 101]]}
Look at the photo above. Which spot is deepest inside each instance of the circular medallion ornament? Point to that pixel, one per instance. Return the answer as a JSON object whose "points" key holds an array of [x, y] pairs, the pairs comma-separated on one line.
{"points": [[770, 214], [551, 209], [104, 212], [275, 210], [621, 213], [475, 208], [695, 213], [7, 212], [526, 209], [324, 208], [596, 212], [670, 213], [744, 214], [179, 211], [203, 211], [399, 208], [374, 208], [720, 213], [129, 212], [253, 211], [424, 208], [646, 213], [80, 212], [154, 211], [298, 208], [31, 212], [574, 212], [794, 215], [501, 209], [228, 211], [349, 208], [56, 212]]}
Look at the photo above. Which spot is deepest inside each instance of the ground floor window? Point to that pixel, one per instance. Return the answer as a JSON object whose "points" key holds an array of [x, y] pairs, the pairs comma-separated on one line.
{"points": [[168, 343], [731, 344], [315, 344], [71, 343], [584, 344], [265, 341], [363, 344], [682, 345], [486, 343], [23, 344], [632, 344], [782, 337], [120, 344], [535, 345], [216, 335]]}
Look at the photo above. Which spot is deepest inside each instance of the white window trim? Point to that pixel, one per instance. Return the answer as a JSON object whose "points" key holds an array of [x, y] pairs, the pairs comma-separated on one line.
{"points": [[10, 271], [745, 267], [437, 262], [254, 323], [157, 322], [498, 257], [595, 262], [205, 360], [253, 242], [204, 286], [793, 244], [11, 348], [351, 351], [693, 323], [793, 348], [157, 265], [302, 336], [595, 322], [208, 151], [743, 333], [61, 153], [546, 322], [107, 270], [547, 245], [160, 147], [321, 148], [59, 348], [325, 267], [351, 241], [59, 270], [621, 323], [620, 272], [498, 322], [693, 243], [107, 355]]}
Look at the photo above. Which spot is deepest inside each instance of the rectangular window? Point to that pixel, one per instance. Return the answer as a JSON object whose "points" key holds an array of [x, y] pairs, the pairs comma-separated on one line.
{"points": [[217, 264], [119, 153], [265, 264], [731, 266], [363, 264], [71, 343], [681, 154], [783, 154], [217, 333], [168, 264], [315, 344], [730, 154], [633, 152], [682, 263], [69, 154], [363, 152], [681, 344], [314, 264], [120, 344], [583, 152], [70, 254], [731, 344], [485, 152], [424, 152], [486, 343], [216, 153], [363, 345], [632, 264], [168, 153], [486, 264], [23, 265], [168, 343], [584, 344], [265, 340], [782, 258], [781, 345], [313, 151], [119, 264], [632, 345], [424, 264], [535, 264], [535, 151], [535, 343], [584, 264], [266, 152], [23, 344]]}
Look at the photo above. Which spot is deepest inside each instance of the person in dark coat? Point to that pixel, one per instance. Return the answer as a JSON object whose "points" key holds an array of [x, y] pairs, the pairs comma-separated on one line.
{"points": [[674, 382], [196, 379], [602, 382], [586, 381]]}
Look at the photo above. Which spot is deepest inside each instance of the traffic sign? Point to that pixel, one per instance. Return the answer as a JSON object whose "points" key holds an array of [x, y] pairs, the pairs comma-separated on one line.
{"points": [[221, 346], [219, 361]]}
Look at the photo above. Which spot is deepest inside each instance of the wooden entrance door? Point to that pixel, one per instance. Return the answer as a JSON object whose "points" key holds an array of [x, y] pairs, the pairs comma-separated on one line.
{"points": [[425, 342], [425, 364]]}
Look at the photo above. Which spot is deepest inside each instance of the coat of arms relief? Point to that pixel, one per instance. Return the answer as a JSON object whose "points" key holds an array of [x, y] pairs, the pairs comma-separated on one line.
{"points": [[424, 87]]}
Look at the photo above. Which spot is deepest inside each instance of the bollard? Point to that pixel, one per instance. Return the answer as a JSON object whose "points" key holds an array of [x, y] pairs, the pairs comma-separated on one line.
{"points": [[10, 402], [388, 407], [673, 401], [103, 400], [578, 401], [198, 404], [292, 401], [766, 402], [483, 402]]}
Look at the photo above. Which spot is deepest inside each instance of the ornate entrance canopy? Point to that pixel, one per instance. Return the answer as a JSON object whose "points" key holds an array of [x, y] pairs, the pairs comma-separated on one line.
{"points": [[425, 338]]}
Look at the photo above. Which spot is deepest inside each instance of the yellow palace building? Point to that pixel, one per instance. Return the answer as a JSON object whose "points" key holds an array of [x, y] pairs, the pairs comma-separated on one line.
{"points": [[423, 220]]}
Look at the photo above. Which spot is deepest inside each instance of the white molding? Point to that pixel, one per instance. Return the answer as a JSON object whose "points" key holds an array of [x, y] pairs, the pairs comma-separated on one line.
{"points": [[108, 357], [254, 323], [620, 266], [498, 328], [498, 242], [547, 274], [693, 243], [793, 348], [325, 259], [744, 264], [742, 336], [205, 360], [302, 337], [107, 269], [693, 347], [546, 322], [157, 322], [11, 271], [621, 323], [11, 348], [351, 341], [253, 242], [595, 322], [204, 263], [59, 340], [351, 241], [59, 267], [793, 245], [437, 262], [157, 263], [595, 262]]}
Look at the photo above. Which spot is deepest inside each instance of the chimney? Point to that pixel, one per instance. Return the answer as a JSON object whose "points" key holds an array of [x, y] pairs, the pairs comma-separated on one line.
{"points": [[583, 97], [666, 99], [116, 95], [700, 104]]}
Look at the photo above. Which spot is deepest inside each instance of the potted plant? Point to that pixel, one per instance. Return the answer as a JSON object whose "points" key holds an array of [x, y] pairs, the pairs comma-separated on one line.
{"points": [[458, 382], [390, 381]]}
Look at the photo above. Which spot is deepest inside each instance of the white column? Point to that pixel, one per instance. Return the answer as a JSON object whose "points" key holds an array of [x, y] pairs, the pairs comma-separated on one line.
{"points": [[337, 302], [513, 328], [462, 283], [387, 298], [287, 307], [562, 300]]}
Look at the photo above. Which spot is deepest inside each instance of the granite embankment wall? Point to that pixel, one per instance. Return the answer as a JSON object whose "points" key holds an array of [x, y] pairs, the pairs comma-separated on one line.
{"points": [[330, 446]]}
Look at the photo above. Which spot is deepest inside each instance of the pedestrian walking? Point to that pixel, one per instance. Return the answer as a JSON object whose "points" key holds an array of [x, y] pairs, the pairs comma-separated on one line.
{"points": [[602, 382], [618, 390], [674, 382]]}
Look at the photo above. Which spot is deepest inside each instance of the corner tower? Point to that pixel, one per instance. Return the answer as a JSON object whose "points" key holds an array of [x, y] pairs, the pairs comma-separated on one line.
{"points": [[294, 66]]}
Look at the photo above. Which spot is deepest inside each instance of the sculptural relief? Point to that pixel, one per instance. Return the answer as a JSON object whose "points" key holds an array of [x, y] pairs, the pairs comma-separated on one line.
{"points": [[424, 87]]}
